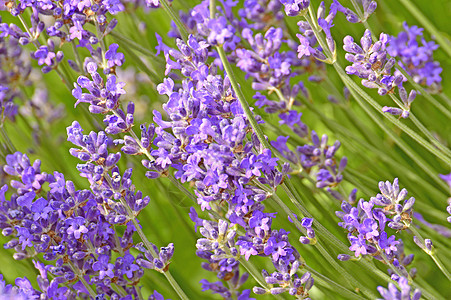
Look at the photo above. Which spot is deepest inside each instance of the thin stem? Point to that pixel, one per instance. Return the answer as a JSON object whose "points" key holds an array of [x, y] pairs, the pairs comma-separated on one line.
{"points": [[7, 140], [241, 98], [440, 265], [424, 93], [175, 285], [257, 275], [422, 128], [432, 138], [153, 77], [182, 29], [431, 253], [132, 44], [149, 247], [63, 79], [348, 277], [350, 83], [445, 98], [24, 24], [82, 279], [353, 88], [332, 285], [138, 291]]}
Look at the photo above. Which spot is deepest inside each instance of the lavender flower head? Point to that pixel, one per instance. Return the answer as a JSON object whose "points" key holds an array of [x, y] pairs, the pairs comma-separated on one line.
{"points": [[366, 223], [417, 59], [295, 7], [371, 62]]}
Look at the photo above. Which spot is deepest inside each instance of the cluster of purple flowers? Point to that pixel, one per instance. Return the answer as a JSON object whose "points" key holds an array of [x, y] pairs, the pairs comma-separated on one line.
{"points": [[317, 158], [269, 67], [211, 144], [308, 42], [271, 70], [15, 69], [295, 7], [416, 59], [103, 97], [296, 286], [218, 247], [68, 23], [260, 14], [206, 137], [366, 225], [15, 74], [218, 30], [371, 62], [75, 229], [23, 290], [404, 291]]}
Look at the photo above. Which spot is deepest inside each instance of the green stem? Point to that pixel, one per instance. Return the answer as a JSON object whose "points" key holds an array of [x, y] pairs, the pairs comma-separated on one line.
{"points": [[352, 85], [132, 44], [168, 8], [428, 25], [431, 253], [140, 295], [256, 274], [83, 280], [149, 247], [440, 265], [7, 140], [424, 93], [143, 67], [332, 285], [63, 79], [422, 128], [353, 88], [372, 144], [241, 98], [445, 99]]}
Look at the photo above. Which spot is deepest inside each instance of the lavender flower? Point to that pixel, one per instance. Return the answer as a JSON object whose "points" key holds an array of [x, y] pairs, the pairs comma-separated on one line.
{"points": [[405, 291], [295, 7], [288, 281], [318, 155], [369, 6], [416, 59], [366, 224], [255, 13], [372, 63], [15, 69], [310, 238], [66, 21]]}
